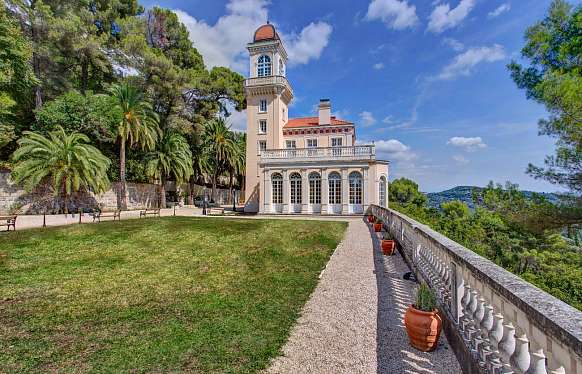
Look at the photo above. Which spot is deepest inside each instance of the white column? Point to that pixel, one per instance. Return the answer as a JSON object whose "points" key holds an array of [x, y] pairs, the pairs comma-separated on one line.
{"points": [[268, 193], [263, 201], [304, 191], [345, 192], [286, 193], [365, 193], [324, 191]]}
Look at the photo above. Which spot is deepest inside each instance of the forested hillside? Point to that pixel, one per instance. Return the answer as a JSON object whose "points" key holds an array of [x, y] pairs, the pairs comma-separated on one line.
{"points": [[524, 235], [465, 194]]}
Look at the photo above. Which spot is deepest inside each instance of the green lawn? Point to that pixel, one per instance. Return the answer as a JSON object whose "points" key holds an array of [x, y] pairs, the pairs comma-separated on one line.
{"points": [[169, 294]]}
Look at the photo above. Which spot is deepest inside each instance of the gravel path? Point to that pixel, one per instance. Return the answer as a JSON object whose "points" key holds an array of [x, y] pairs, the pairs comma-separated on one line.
{"points": [[353, 322]]}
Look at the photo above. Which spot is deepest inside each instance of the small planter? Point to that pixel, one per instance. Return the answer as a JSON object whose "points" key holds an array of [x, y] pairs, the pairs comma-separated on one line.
{"points": [[388, 247], [370, 218], [423, 322], [378, 227]]}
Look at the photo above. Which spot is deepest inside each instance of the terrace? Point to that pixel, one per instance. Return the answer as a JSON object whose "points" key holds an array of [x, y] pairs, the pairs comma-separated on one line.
{"points": [[353, 153]]}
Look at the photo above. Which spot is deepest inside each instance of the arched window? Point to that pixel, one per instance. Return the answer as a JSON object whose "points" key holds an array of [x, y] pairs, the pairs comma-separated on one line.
{"points": [[355, 188], [277, 186], [335, 188], [295, 179], [383, 192], [264, 66], [314, 188]]}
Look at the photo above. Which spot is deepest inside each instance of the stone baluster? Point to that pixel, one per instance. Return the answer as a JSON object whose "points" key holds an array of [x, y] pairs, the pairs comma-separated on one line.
{"points": [[559, 370], [486, 326], [538, 364], [507, 344], [520, 358]]}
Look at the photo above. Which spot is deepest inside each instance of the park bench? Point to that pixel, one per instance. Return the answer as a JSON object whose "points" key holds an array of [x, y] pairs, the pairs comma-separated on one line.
{"points": [[116, 214], [149, 212], [8, 221], [215, 210]]}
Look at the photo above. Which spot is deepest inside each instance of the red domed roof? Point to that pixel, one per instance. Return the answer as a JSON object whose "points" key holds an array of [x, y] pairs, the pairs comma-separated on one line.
{"points": [[266, 32]]}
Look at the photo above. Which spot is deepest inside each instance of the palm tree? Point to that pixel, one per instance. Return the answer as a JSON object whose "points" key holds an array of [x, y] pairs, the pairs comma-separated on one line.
{"points": [[172, 158], [237, 161], [67, 159], [138, 125], [218, 147]]}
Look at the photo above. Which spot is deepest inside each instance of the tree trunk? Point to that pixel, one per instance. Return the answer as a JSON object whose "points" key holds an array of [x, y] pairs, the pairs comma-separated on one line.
{"points": [[191, 191], [122, 197], [230, 187], [162, 193], [214, 182], [84, 75]]}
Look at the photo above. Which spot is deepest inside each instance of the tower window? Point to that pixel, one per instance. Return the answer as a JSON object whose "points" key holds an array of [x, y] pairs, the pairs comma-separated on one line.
{"points": [[263, 106], [262, 126], [262, 146], [264, 66], [281, 67]]}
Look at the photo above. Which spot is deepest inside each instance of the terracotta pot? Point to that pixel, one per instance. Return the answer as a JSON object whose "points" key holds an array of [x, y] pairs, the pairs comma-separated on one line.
{"points": [[377, 227], [423, 328], [388, 247], [370, 218]]}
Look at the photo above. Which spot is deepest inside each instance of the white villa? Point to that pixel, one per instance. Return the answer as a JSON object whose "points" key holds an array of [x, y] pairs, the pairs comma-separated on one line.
{"points": [[306, 165]]}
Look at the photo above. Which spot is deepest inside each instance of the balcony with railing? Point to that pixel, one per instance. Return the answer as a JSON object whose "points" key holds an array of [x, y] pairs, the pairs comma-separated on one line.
{"points": [[353, 153], [269, 81], [494, 321]]}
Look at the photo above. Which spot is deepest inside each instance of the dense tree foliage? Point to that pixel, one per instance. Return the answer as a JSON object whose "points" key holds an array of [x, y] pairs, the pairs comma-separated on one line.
{"points": [[67, 159], [499, 229], [127, 78], [554, 78]]}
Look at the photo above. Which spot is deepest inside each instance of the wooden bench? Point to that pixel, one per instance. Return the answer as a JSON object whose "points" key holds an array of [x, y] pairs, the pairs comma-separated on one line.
{"points": [[116, 214], [215, 210], [149, 212], [8, 221]]}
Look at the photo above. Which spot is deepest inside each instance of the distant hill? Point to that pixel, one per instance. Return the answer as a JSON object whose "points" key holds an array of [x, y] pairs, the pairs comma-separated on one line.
{"points": [[464, 193]]}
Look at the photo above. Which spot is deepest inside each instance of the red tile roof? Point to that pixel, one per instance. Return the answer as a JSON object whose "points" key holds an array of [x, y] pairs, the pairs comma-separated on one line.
{"points": [[314, 121]]}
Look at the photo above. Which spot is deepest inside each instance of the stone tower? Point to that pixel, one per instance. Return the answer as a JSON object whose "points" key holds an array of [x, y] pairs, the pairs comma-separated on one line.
{"points": [[268, 94]]}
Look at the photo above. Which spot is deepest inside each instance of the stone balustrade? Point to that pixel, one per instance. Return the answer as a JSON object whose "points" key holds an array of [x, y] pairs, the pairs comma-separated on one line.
{"points": [[352, 153], [502, 324]]}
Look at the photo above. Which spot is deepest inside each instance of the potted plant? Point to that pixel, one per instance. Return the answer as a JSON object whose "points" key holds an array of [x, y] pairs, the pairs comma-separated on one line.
{"points": [[370, 218], [378, 224], [422, 320], [388, 244]]}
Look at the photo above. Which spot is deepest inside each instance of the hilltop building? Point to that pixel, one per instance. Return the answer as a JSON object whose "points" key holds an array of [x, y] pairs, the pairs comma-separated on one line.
{"points": [[310, 165]]}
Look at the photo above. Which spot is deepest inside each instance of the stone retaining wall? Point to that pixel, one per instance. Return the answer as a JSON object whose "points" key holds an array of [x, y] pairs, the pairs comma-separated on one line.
{"points": [[42, 200]]}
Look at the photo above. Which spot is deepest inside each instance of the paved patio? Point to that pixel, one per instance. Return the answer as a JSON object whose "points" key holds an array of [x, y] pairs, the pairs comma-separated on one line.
{"points": [[353, 322]]}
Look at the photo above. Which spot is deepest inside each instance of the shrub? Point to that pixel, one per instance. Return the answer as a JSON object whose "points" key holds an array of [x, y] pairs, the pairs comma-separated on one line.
{"points": [[425, 299]]}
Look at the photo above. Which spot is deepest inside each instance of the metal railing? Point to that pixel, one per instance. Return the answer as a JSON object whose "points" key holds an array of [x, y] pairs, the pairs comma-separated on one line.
{"points": [[503, 323], [358, 152]]}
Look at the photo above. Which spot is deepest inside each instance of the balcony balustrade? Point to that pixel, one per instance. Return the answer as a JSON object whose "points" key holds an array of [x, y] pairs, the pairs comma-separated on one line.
{"points": [[272, 80], [499, 322], [354, 153]]}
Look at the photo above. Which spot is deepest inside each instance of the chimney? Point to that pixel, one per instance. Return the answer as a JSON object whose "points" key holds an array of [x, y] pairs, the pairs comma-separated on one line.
{"points": [[324, 112]]}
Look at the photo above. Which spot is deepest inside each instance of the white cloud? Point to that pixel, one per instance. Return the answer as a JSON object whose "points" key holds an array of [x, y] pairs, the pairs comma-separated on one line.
{"points": [[467, 144], [388, 120], [443, 17], [464, 63], [367, 119], [503, 8], [394, 150], [379, 66], [237, 120], [454, 44], [461, 159], [396, 14], [308, 44], [224, 43]]}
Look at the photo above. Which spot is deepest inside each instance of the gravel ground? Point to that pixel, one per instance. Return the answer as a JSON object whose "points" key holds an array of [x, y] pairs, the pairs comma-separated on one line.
{"points": [[353, 322]]}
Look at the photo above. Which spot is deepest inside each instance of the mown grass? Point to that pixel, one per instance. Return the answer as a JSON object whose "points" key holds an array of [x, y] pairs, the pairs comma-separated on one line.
{"points": [[157, 295]]}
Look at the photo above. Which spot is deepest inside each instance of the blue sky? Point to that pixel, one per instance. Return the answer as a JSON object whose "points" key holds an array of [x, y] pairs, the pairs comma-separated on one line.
{"points": [[426, 80]]}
